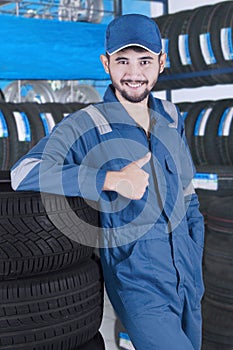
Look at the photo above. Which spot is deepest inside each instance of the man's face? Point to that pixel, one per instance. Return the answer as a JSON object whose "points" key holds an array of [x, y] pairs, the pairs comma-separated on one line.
{"points": [[133, 74]]}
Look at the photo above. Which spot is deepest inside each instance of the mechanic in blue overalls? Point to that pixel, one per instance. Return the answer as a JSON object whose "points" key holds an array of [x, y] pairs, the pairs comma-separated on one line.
{"points": [[129, 155]]}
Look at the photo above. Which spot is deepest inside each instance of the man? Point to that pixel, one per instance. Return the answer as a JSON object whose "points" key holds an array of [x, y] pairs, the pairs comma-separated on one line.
{"points": [[129, 154]]}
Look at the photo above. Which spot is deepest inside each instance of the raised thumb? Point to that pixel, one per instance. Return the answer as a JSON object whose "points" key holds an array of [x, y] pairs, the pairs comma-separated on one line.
{"points": [[142, 161]]}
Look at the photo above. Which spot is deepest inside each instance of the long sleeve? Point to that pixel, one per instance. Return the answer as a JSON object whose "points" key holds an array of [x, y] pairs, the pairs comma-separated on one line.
{"points": [[57, 164], [195, 219]]}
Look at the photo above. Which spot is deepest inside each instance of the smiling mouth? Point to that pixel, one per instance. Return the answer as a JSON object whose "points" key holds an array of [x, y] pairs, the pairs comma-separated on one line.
{"points": [[134, 85]]}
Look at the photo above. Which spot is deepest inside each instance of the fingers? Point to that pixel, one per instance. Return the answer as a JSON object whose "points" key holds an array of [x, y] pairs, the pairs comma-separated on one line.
{"points": [[131, 181], [146, 175], [132, 189], [142, 161]]}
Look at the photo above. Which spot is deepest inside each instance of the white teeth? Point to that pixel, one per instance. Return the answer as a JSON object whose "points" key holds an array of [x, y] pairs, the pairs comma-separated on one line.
{"points": [[134, 85]]}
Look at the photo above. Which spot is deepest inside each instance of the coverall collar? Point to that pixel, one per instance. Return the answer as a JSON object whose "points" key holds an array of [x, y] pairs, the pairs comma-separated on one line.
{"points": [[121, 116]]}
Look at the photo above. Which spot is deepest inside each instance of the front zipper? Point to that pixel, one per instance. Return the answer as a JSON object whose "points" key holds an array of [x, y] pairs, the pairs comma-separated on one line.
{"points": [[153, 172]]}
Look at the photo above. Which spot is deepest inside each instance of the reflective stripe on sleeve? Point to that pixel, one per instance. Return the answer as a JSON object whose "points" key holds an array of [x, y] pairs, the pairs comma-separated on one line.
{"points": [[170, 108], [22, 170], [101, 123]]}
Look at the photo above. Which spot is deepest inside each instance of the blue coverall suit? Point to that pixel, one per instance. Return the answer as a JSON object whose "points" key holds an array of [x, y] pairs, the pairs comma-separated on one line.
{"points": [[151, 249]]}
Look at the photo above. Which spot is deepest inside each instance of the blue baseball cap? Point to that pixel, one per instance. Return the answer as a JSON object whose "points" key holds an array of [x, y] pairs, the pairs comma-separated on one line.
{"points": [[133, 30]]}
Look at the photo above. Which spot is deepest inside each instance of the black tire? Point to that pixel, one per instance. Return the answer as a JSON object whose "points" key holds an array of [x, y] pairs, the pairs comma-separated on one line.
{"points": [[4, 142], [214, 145], [203, 115], [189, 110], [218, 263], [221, 43], [215, 142], [74, 106], [14, 147], [230, 138], [58, 311], [5, 181], [164, 83], [193, 120], [185, 50], [218, 272], [202, 56], [97, 343], [180, 72], [164, 23], [31, 244], [178, 65], [218, 259], [184, 108], [61, 110], [37, 127], [50, 111], [204, 201], [217, 325], [224, 130]]}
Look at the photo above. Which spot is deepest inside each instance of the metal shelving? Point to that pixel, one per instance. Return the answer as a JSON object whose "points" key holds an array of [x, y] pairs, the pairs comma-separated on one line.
{"points": [[198, 74], [64, 10], [118, 6]]}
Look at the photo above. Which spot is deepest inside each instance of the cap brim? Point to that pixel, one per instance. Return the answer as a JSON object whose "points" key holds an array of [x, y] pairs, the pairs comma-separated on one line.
{"points": [[132, 44]]}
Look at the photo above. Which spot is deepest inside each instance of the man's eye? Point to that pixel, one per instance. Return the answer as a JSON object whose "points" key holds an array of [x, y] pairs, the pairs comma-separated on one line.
{"points": [[143, 63], [122, 62]]}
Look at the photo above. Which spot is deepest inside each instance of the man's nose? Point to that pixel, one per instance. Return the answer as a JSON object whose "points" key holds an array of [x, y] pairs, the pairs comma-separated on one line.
{"points": [[133, 71]]}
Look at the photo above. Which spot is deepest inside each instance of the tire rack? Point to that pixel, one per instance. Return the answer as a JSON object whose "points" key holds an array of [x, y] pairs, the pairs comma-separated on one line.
{"points": [[197, 57]]}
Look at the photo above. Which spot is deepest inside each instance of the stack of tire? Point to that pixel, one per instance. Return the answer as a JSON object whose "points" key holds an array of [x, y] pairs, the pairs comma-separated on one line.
{"points": [[22, 125], [198, 44], [218, 275], [209, 132], [51, 286]]}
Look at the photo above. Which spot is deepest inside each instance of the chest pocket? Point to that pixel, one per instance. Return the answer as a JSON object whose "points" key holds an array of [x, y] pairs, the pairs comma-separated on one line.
{"points": [[170, 165], [174, 205], [172, 180]]}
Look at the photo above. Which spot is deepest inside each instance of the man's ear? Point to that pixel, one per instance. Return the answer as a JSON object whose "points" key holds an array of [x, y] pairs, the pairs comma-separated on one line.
{"points": [[104, 61], [162, 61]]}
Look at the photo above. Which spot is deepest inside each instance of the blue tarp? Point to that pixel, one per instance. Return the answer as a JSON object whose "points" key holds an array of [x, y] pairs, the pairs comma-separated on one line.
{"points": [[50, 49]]}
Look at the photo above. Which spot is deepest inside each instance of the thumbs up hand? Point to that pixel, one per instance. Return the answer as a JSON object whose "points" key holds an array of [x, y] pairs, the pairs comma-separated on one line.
{"points": [[131, 181]]}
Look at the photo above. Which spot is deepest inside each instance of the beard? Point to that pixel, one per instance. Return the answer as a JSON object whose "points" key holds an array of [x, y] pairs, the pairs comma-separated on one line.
{"points": [[135, 99], [131, 97]]}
